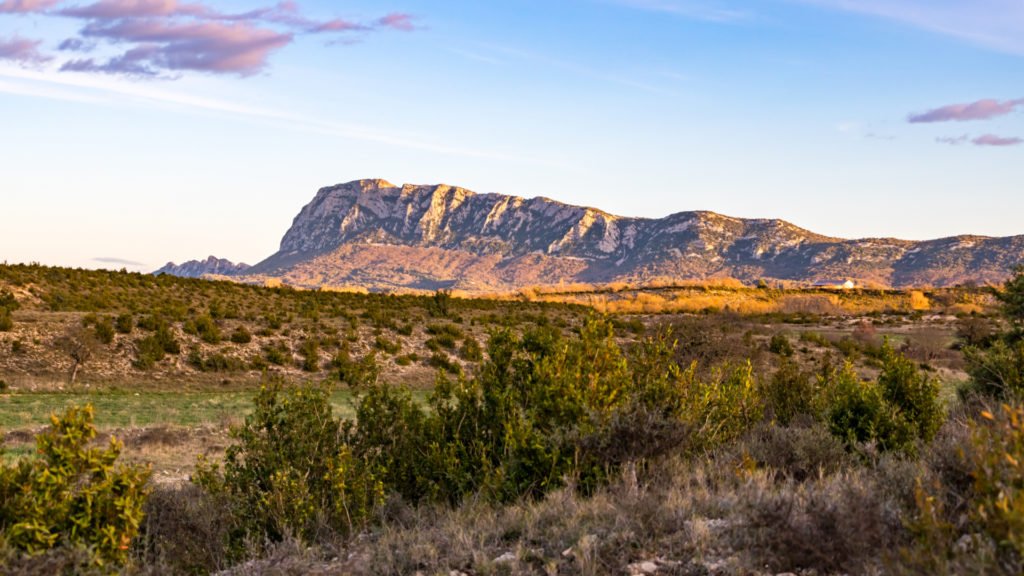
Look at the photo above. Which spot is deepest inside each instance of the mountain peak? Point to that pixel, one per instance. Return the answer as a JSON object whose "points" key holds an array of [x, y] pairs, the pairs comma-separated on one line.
{"points": [[378, 235], [198, 269]]}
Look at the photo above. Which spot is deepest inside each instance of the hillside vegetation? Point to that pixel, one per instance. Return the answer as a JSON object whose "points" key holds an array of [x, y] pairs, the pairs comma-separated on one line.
{"points": [[563, 442]]}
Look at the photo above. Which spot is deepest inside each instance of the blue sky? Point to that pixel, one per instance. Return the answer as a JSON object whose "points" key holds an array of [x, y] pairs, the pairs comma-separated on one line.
{"points": [[170, 130]]}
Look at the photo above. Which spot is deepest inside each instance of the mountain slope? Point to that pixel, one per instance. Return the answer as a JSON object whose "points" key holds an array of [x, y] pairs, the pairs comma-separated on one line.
{"points": [[381, 236]]}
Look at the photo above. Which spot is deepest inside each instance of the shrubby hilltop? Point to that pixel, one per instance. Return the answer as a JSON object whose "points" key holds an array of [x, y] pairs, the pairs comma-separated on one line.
{"points": [[374, 234]]}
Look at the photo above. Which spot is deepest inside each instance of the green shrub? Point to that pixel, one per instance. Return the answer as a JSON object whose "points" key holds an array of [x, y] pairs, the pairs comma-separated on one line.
{"points": [[858, 414], [277, 353], [289, 473], [997, 371], [355, 373], [1011, 299], [205, 327], [388, 346], [215, 362], [104, 329], [449, 329], [72, 495], [241, 336], [780, 345], [8, 302], [471, 350], [124, 323], [6, 321], [913, 395], [153, 348], [791, 392], [310, 352], [442, 361]]}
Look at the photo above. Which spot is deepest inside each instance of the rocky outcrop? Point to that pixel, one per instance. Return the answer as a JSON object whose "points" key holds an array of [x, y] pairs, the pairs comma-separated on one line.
{"points": [[197, 269], [382, 236]]}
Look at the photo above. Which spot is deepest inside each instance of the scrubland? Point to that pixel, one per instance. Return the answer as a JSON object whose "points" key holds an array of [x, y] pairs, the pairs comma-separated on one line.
{"points": [[205, 427]]}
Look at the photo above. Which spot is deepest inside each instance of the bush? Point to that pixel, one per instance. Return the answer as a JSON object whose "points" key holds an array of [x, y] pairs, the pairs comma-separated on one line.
{"points": [[836, 524], [241, 336], [355, 373], [288, 472], [124, 323], [153, 348], [799, 452], [471, 350], [104, 329], [278, 353], [310, 352], [388, 346], [997, 458], [185, 531], [6, 321], [72, 495], [997, 371], [205, 327], [442, 361], [913, 395], [780, 345], [1011, 298], [791, 392], [857, 413]]}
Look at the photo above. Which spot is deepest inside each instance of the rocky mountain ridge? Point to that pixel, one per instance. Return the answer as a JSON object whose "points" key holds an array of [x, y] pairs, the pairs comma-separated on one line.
{"points": [[199, 268], [377, 235]]}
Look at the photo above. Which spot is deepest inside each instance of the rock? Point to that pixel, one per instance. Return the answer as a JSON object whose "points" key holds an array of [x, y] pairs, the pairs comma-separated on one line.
{"points": [[197, 269], [506, 558], [377, 235]]}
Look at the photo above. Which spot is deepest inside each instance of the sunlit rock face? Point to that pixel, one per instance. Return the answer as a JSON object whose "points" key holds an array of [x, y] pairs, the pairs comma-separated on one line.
{"points": [[379, 235]]}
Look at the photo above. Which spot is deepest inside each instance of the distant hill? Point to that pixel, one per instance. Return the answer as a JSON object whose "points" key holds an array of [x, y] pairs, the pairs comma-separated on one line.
{"points": [[198, 269], [374, 234]]}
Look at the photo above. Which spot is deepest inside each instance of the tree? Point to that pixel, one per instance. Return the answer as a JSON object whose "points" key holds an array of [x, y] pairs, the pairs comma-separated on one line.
{"points": [[79, 344], [1012, 300]]}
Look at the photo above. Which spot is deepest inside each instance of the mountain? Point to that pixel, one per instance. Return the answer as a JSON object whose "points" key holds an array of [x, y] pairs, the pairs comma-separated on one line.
{"points": [[198, 269], [380, 236]]}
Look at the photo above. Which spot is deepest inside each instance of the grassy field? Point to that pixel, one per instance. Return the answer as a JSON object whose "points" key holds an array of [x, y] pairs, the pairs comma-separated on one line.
{"points": [[121, 409]]}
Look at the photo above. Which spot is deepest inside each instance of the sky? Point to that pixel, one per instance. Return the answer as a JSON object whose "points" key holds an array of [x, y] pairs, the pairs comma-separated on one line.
{"points": [[135, 132]]}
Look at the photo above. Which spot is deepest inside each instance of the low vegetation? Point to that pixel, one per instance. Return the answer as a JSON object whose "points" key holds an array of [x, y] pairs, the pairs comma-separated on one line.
{"points": [[569, 443]]}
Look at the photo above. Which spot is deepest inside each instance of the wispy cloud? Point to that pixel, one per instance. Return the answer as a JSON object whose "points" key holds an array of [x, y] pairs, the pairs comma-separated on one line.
{"points": [[983, 140], [980, 110], [163, 38], [51, 84], [996, 24], [22, 51], [953, 140], [118, 261], [704, 10], [993, 140]]}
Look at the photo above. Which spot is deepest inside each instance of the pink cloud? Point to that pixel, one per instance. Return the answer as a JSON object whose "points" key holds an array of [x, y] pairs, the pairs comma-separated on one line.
{"points": [[25, 6], [116, 9], [175, 35], [993, 140], [397, 21], [980, 110], [236, 48], [22, 50]]}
